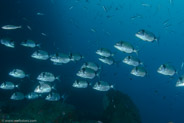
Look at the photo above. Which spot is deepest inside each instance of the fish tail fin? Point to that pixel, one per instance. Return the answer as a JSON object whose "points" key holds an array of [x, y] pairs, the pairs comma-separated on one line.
{"points": [[157, 39], [38, 45], [141, 63], [114, 53], [182, 65], [112, 86], [19, 26], [17, 86], [58, 78], [39, 95], [100, 67], [54, 87], [136, 52], [98, 73], [82, 57], [28, 76]]}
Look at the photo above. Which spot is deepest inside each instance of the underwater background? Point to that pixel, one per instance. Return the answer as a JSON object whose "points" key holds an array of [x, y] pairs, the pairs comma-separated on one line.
{"points": [[83, 26]]}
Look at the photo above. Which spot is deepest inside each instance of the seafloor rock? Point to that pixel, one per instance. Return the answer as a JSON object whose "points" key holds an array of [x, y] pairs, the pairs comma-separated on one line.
{"points": [[118, 108], [44, 112]]}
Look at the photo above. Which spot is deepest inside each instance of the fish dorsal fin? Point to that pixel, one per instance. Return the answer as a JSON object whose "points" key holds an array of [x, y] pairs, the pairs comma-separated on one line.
{"points": [[77, 81], [164, 66]]}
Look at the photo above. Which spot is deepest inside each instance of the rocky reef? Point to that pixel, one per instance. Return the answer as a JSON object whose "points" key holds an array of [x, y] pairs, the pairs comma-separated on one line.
{"points": [[118, 108]]}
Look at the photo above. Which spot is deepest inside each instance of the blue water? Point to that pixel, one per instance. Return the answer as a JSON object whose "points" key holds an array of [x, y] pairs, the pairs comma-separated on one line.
{"points": [[68, 25]]}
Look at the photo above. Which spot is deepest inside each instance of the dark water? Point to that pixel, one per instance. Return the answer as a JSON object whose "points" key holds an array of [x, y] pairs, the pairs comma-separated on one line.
{"points": [[68, 25]]}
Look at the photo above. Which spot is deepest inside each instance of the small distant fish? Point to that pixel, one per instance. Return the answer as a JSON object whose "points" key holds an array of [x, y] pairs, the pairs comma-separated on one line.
{"points": [[146, 36], [75, 57], [17, 96], [93, 30], [87, 73], [104, 52], [167, 69], [102, 86], [131, 60], [146, 5], [8, 42], [81, 84], [107, 60], [108, 33], [29, 27], [136, 16], [40, 14], [180, 81], [53, 97], [47, 77], [60, 58], [139, 71], [11, 27], [125, 47], [32, 95], [17, 73], [43, 88], [43, 34], [182, 65], [104, 8], [40, 54], [91, 65], [30, 43], [71, 8], [8, 86]]}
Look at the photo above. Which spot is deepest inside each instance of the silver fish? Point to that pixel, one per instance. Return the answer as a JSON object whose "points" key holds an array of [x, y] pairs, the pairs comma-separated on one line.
{"points": [[125, 47], [40, 14], [102, 86], [131, 60], [75, 57], [87, 73], [107, 60], [11, 27], [139, 71], [180, 81], [40, 54], [91, 65], [53, 97], [17, 96], [104, 52], [17, 73], [60, 58], [43, 88], [47, 77], [29, 43], [146, 35], [167, 69], [8, 42], [32, 95], [8, 86], [81, 84]]}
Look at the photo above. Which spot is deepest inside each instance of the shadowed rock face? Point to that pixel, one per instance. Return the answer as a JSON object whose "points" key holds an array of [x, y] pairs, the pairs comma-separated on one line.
{"points": [[118, 108]]}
